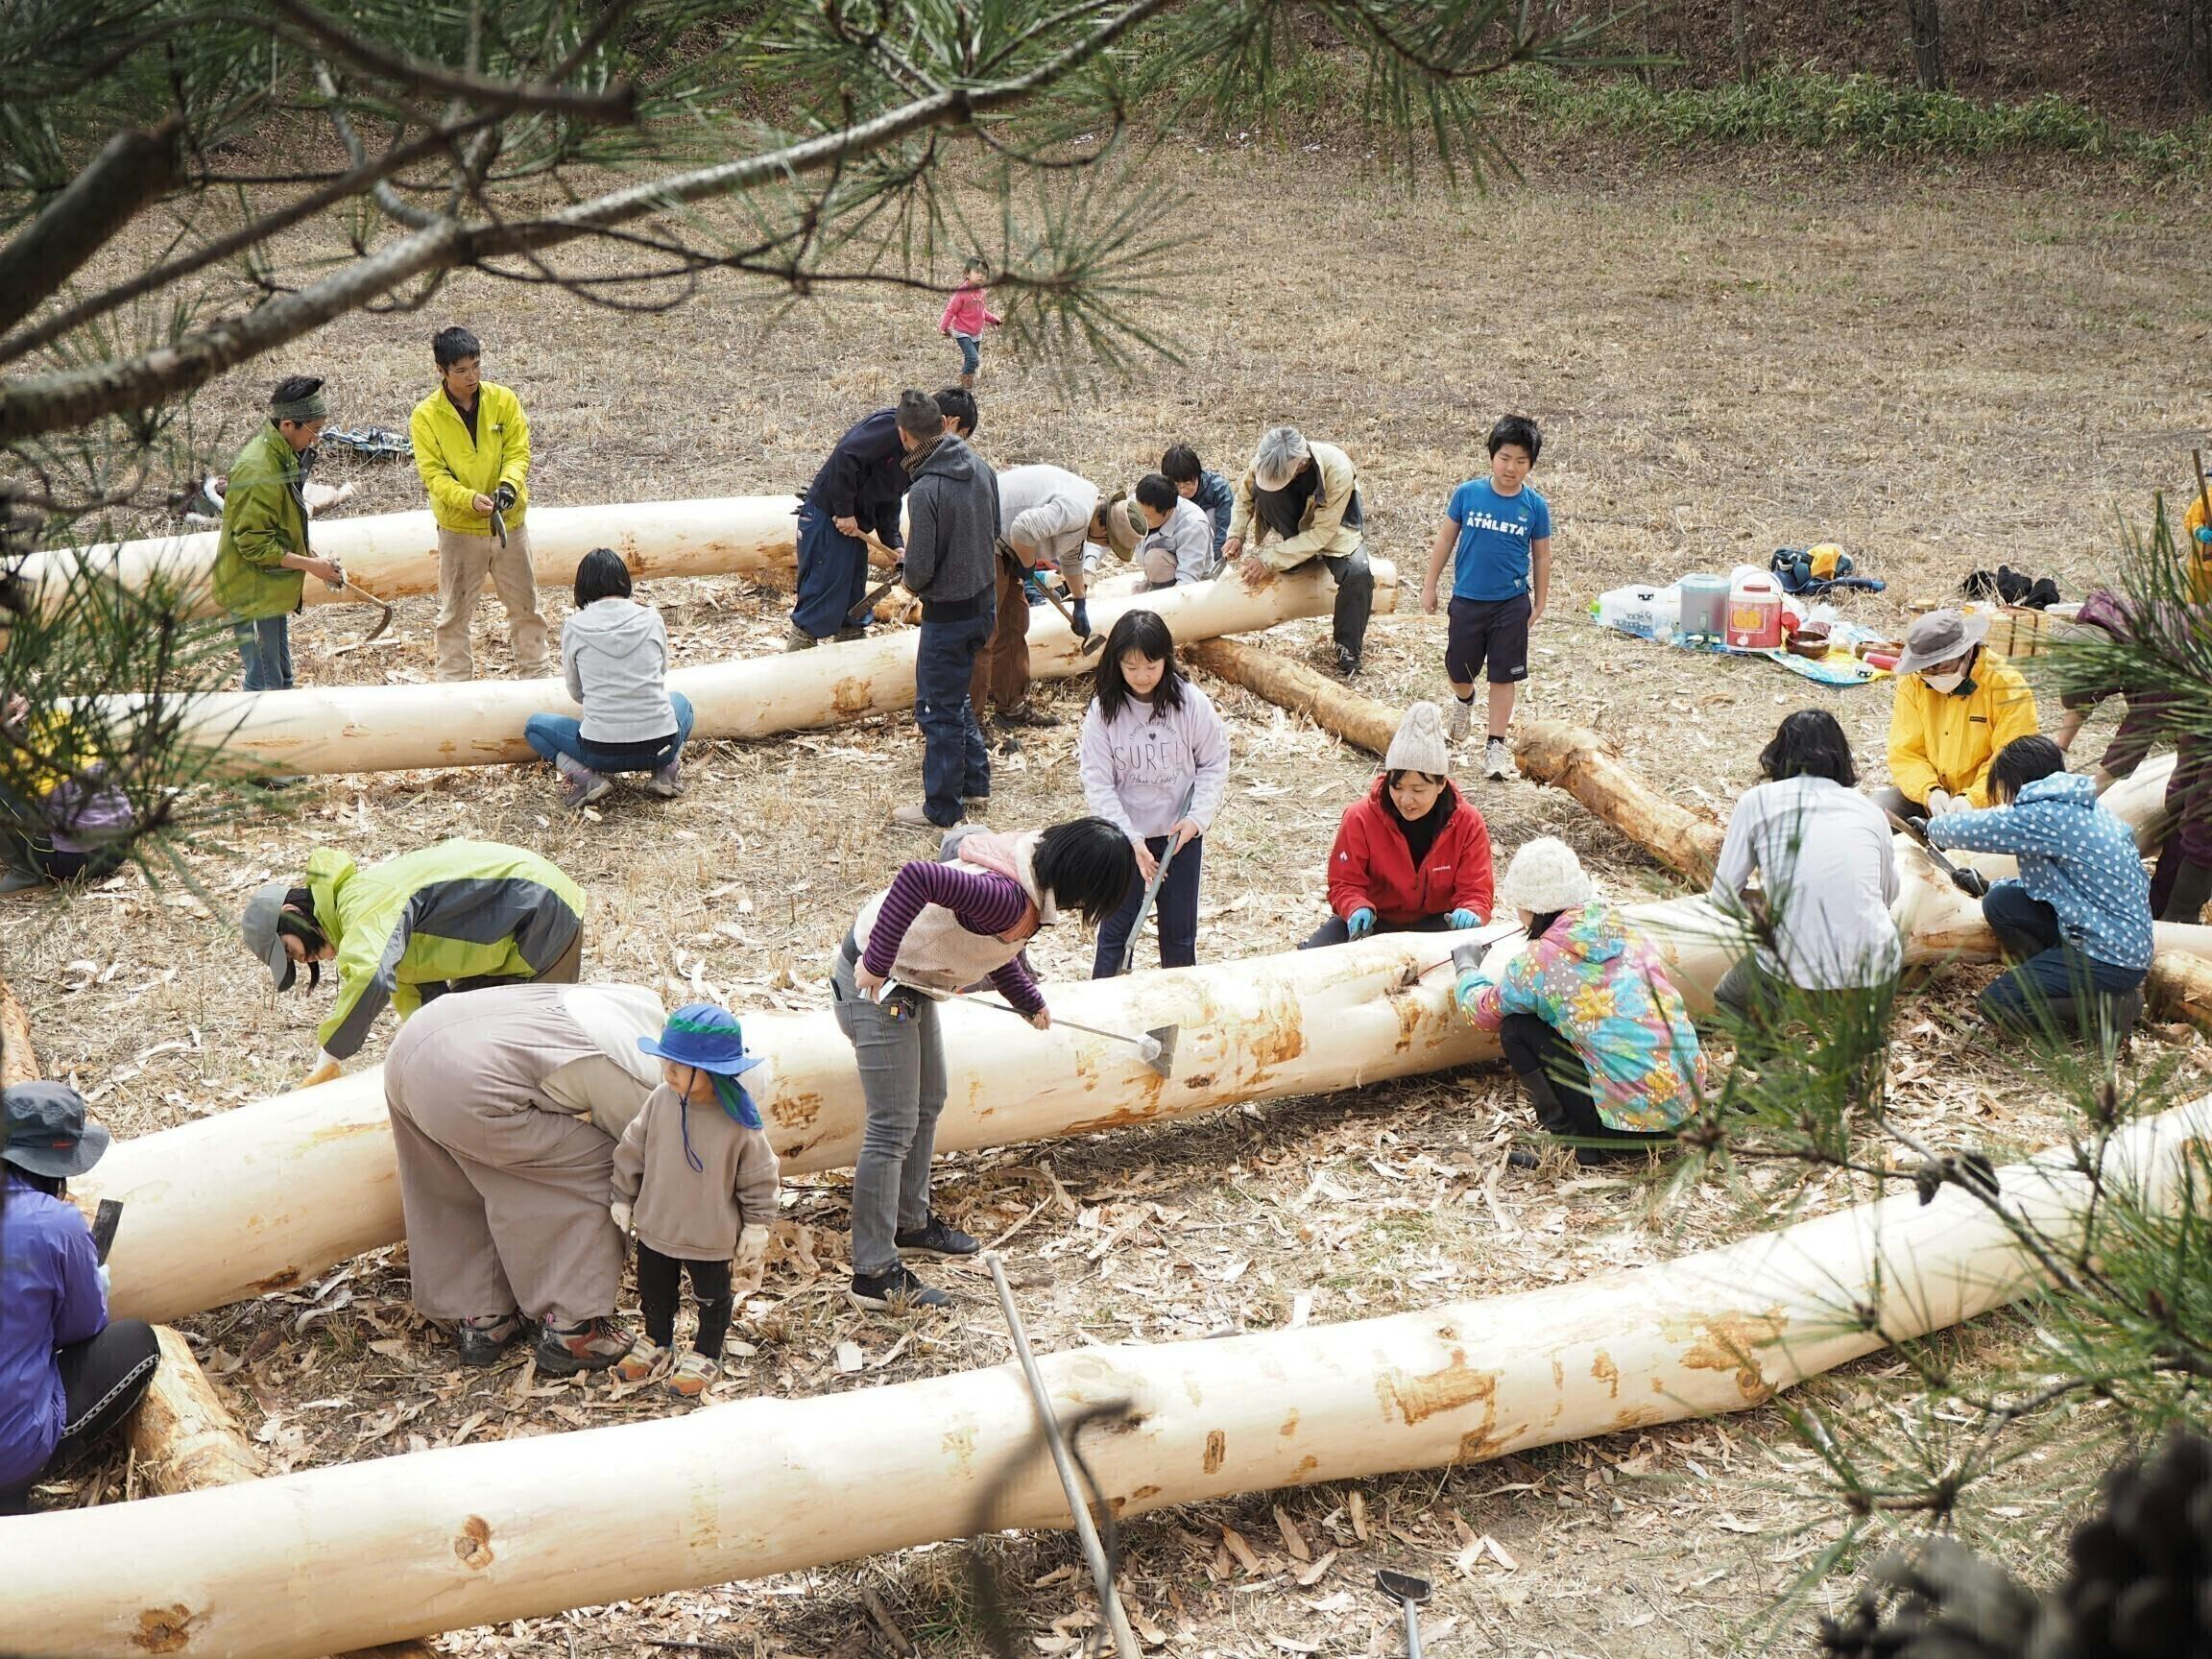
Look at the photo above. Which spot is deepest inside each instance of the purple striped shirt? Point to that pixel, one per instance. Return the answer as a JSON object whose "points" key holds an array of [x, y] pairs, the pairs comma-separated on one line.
{"points": [[981, 901]]}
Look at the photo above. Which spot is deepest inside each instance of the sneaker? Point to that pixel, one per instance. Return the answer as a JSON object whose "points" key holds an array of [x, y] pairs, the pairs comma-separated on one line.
{"points": [[975, 808], [668, 781], [278, 781], [797, 639], [1028, 714], [645, 1357], [914, 816], [892, 1292], [1347, 661], [17, 880], [481, 1340], [1497, 760], [580, 785], [937, 1239], [1522, 1158], [594, 1345], [1456, 722], [691, 1376]]}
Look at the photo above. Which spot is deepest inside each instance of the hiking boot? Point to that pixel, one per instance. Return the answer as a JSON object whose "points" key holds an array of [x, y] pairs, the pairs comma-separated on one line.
{"points": [[1456, 722], [936, 1241], [667, 782], [691, 1376], [896, 1291], [847, 635], [797, 639], [1347, 661], [1497, 760], [1027, 714], [580, 785], [645, 1357], [15, 881], [591, 1346], [914, 816], [481, 1339]]}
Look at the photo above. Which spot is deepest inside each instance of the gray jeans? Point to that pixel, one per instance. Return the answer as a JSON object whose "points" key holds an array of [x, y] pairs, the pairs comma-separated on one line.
{"points": [[903, 1080]]}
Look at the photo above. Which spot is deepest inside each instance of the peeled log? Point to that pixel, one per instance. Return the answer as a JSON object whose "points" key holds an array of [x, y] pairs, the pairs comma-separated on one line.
{"points": [[1577, 761], [2179, 987], [1359, 720], [394, 555], [389, 728], [18, 1059], [478, 1534], [182, 1434]]}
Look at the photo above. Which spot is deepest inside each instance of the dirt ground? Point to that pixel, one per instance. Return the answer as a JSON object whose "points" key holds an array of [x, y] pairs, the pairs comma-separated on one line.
{"points": [[1938, 371]]}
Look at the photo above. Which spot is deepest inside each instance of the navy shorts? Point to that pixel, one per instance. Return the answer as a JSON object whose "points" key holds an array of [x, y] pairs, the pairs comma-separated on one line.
{"points": [[1492, 629]]}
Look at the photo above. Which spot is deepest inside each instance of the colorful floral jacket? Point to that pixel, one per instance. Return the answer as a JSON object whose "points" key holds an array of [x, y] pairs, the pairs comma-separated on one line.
{"points": [[1604, 989]]}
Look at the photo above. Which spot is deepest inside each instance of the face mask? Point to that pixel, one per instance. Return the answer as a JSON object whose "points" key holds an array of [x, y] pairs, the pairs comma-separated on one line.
{"points": [[1945, 683]]}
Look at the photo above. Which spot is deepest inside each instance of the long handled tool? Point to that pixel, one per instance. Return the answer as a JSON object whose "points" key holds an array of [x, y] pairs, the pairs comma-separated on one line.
{"points": [[347, 584], [1085, 1529], [1411, 1594], [1158, 876], [1090, 641], [1156, 1048], [1496, 933], [858, 614], [1971, 883]]}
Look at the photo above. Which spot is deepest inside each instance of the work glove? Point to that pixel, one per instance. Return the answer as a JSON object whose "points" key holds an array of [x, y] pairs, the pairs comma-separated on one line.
{"points": [[619, 1212], [1082, 619], [1361, 923], [1466, 957], [1463, 918], [1941, 802], [106, 1284], [325, 1070], [747, 1265], [503, 499]]}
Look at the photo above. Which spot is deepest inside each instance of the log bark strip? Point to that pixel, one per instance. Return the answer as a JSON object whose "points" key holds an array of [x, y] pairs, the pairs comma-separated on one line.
{"points": [[388, 727], [1359, 720], [475, 1534], [395, 555], [1578, 761], [18, 1059]]}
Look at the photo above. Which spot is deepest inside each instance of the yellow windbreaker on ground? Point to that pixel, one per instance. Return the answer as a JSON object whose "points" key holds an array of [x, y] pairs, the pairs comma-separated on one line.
{"points": [[1946, 739], [457, 468], [2195, 555]]}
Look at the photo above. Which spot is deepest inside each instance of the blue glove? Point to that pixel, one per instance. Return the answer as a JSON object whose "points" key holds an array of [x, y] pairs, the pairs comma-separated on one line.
{"points": [[1361, 923], [2204, 534], [1459, 919], [1082, 615]]}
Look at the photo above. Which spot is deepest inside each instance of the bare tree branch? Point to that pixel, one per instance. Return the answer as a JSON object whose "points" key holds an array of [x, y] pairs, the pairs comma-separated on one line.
{"points": [[132, 169]]}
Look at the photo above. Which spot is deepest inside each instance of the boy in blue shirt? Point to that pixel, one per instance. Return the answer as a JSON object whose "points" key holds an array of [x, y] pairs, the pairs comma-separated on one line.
{"points": [[1497, 535], [1179, 466]]}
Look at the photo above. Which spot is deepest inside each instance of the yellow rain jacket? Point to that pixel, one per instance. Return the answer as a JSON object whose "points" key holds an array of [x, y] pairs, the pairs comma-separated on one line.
{"points": [[457, 468], [2197, 555], [1946, 739]]}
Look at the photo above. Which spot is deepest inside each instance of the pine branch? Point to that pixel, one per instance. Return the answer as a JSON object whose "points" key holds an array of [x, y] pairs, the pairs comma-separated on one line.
{"points": [[132, 169]]}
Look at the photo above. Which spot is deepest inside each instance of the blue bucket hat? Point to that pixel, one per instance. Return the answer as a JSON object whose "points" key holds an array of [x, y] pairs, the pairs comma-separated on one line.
{"points": [[710, 1038]]}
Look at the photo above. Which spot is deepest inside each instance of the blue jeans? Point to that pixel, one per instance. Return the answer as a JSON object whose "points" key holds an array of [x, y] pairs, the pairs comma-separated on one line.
{"points": [[265, 648], [956, 766], [2051, 981], [832, 575], [970, 352], [1176, 908], [552, 735]]}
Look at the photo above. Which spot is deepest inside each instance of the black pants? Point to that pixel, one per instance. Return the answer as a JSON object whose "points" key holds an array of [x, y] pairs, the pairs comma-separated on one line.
{"points": [[659, 1279], [102, 1379], [1558, 1086], [1338, 931]]}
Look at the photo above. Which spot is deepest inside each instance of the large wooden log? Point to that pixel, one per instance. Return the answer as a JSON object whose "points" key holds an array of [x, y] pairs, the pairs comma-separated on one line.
{"points": [[1358, 719], [394, 555], [184, 1435], [18, 1059], [475, 1534], [1578, 761], [384, 728], [2179, 987]]}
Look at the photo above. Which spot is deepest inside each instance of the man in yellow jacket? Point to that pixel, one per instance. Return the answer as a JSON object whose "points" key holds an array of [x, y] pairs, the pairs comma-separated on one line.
{"points": [[1957, 706], [473, 448], [1306, 496]]}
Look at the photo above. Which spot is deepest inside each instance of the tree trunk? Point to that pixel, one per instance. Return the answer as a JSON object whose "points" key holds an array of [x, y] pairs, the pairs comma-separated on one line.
{"points": [[2180, 987], [481, 1534], [1740, 29], [1578, 761], [1359, 720], [18, 1059], [394, 555], [387, 727], [1924, 18]]}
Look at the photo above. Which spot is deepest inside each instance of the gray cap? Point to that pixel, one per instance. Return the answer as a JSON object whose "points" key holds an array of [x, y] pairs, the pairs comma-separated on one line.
{"points": [[48, 1132], [259, 927], [1941, 636]]}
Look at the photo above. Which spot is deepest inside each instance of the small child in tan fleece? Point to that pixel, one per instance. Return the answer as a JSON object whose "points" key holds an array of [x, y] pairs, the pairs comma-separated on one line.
{"points": [[696, 1178]]}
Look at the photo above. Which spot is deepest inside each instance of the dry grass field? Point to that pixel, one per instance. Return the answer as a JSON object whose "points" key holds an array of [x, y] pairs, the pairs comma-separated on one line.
{"points": [[1939, 372]]}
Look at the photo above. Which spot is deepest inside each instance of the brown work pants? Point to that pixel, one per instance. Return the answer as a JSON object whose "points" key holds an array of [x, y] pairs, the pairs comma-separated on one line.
{"points": [[1001, 677], [464, 560]]}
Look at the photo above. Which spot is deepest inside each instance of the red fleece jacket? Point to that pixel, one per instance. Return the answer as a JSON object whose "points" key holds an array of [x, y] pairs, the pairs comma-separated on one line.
{"points": [[1370, 864]]}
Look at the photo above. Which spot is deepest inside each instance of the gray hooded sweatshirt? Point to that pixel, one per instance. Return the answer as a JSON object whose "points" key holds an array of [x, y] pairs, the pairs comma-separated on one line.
{"points": [[952, 527], [614, 655]]}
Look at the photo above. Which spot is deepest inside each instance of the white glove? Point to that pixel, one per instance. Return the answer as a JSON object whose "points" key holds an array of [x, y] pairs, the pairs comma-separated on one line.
{"points": [[1941, 802], [750, 1262], [620, 1213], [106, 1284]]}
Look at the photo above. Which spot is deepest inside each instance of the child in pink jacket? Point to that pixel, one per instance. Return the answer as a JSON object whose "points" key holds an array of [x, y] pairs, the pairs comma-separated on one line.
{"points": [[967, 315]]}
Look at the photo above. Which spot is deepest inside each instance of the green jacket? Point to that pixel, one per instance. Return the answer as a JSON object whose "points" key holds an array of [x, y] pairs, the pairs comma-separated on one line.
{"points": [[458, 910], [264, 517], [457, 468]]}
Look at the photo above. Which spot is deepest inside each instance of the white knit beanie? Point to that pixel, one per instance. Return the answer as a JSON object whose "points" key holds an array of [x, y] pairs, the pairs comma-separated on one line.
{"points": [[1545, 876], [1419, 745]]}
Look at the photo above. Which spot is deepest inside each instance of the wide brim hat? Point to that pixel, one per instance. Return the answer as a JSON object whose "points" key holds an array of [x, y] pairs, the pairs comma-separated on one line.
{"points": [[48, 1130], [1941, 636], [1119, 520], [262, 935], [704, 1035]]}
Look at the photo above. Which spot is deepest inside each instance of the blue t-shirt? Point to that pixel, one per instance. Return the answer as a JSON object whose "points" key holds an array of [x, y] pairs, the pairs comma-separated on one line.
{"points": [[1491, 560]]}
